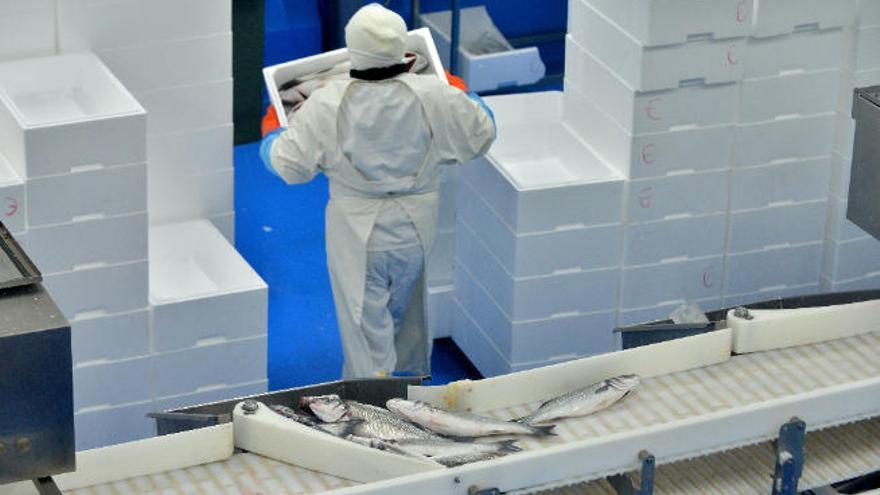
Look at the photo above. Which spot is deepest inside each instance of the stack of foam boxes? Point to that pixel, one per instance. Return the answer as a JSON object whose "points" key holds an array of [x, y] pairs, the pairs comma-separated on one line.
{"points": [[782, 161], [852, 258], [654, 90], [538, 232], [440, 264]]}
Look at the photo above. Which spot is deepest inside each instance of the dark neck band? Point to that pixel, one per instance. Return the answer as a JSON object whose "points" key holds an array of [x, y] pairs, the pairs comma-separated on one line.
{"points": [[379, 73]]}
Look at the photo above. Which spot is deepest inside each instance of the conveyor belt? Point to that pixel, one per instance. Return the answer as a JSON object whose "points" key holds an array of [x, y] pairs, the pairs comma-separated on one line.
{"points": [[832, 455]]}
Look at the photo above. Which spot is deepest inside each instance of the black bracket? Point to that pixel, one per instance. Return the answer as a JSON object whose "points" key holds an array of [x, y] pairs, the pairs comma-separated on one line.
{"points": [[623, 484], [789, 457], [47, 486], [473, 490]]}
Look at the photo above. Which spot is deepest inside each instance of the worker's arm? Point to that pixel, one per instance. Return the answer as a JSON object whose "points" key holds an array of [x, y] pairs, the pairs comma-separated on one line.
{"points": [[470, 128], [293, 153]]}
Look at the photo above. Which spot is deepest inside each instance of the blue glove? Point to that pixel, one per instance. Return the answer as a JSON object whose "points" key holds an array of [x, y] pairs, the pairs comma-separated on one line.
{"points": [[485, 107], [266, 149]]}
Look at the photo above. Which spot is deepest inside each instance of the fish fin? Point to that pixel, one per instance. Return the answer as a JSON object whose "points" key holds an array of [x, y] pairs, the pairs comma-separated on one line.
{"points": [[544, 431], [350, 426], [508, 446], [523, 420]]}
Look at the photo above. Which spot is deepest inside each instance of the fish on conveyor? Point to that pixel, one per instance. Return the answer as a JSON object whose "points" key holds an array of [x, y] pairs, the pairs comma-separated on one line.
{"points": [[339, 429], [375, 421], [446, 452], [461, 424], [585, 401]]}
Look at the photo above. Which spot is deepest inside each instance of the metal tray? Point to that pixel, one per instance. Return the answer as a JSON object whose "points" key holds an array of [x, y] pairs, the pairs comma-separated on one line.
{"points": [[16, 269]]}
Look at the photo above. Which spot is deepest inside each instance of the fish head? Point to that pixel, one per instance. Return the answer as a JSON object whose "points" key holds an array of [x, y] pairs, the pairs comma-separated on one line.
{"points": [[329, 408], [624, 383]]}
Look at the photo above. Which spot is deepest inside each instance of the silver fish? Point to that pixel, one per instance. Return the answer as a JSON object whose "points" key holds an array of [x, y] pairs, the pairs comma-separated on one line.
{"points": [[444, 452], [584, 402], [461, 424], [340, 429], [375, 421]]}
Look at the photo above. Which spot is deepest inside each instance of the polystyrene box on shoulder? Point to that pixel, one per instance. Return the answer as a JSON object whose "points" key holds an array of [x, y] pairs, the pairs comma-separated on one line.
{"points": [[275, 76], [657, 22], [542, 253], [95, 24], [785, 224], [788, 138], [105, 426], [676, 195], [774, 267], [801, 51], [652, 68], [803, 93], [655, 154], [13, 209], [774, 17], [659, 283], [110, 337], [794, 181], [676, 239], [530, 298], [857, 258], [485, 71], [201, 289], [546, 339], [62, 112], [538, 176]]}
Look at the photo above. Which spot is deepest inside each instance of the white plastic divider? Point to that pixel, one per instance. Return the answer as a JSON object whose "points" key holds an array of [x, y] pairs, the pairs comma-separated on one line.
{"points": [[802, 93], [691, 193], [774, 17], [795, 181], [785, 224], [791, 266], [664, 23], [653, 68], [675, 239], [62, 112], [801, 51], [764, 330], [675, 281], [13, 206], [27, 28], [784, 138]]}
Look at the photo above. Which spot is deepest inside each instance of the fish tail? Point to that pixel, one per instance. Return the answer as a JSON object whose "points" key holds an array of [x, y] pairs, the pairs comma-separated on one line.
{"points": [[508, 446], [544, 431]]}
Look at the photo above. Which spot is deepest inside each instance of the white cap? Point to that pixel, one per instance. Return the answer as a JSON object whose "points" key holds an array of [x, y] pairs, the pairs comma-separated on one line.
{"points": [[375, 37]]}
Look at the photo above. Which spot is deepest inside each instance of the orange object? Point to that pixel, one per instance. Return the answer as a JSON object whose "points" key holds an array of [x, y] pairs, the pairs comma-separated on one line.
{"points": [[456, 81], [270, 121]]}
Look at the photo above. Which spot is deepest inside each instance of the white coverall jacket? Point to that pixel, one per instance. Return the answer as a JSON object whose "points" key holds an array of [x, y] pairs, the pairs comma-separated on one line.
{"points": [[380, 141]]}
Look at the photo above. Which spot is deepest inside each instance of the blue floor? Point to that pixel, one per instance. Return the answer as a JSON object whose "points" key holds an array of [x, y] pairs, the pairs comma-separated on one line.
{"points": [[280, 231]]}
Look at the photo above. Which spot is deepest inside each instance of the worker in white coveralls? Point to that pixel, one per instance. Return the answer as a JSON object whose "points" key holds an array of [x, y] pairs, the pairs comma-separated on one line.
{"points": [[381, 137]]}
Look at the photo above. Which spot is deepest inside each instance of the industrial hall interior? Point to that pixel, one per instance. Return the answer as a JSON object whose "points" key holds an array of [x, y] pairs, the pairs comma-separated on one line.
{"points": [[440, 247]]}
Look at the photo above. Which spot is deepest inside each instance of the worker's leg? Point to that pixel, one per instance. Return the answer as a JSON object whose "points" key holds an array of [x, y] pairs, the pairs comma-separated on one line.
{"points": [[407, 265], [411, 332], [377, 323]]}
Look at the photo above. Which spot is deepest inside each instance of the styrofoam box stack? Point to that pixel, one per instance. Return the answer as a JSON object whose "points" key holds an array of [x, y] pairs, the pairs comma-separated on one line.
{"points": [[852, 257], [440, 263], [176, 58], [27, 28], [537, 243]]}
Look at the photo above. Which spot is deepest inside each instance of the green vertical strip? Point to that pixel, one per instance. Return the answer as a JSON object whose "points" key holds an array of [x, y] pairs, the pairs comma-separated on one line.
{"points": [[247, 64]]}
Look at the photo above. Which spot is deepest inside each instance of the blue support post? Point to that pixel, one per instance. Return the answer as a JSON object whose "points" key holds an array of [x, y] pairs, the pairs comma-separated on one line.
{"points": [[789, 457], [624, 485], [455, 36]]}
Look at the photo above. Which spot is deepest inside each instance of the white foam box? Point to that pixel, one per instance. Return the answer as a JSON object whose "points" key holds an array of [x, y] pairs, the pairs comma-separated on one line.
{"points": [[225, 223], [490, 71], [561, 337], [113, 425], [167, 63], [110, 337], [27, 28], [212, 366], [543, 253], [102, 290], [774, 17], [802, 93], [771, 268], [13, 207], [676, 239], [662, 311], [661, 283], [97, 24], [857, 258], [201, 289], [178, 197], [676, 195], [210, 396], [658, 22], [529, 298], [838, 227], [62, 112], [779, 225], [809, 50], [867, 41], [538, 188], [440, 300], [112, 383], [184, 108], [439, 266], [89, 243], [193, 151], [771, 294], [639, 112], [446, 207], [844, 135], [841, 170], [865, 283], [869, 13], [784, 139], [652, 68], [87, 192], [795, 181], [418, 40], [689, 148]]}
